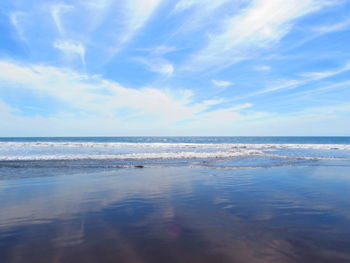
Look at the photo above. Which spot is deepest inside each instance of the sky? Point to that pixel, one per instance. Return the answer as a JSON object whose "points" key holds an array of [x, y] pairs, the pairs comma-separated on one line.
{"points": [[174, 68]]}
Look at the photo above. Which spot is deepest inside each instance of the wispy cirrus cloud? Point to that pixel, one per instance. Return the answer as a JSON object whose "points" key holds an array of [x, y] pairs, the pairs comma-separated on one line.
{"points": [[326, 74], [158, 65], [201, 13], [221, 83], [133, 15], [16, 19], [342, 25], [324, 89], [57, 10], [307, 77], [136, 14], [258, 26], [183, 4], [71, 49], [301, 122], [262, 68], [204, 5], [161, 50], [189, 44]]}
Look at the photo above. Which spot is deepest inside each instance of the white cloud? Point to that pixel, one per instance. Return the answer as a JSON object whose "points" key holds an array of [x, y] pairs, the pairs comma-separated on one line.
{"points": [[97, 4], [202, 13], [221, 83], [328, 120], [184, 4], [16, 20], [259, 26], [158, 65], [262, 68], [279, 85], [99, 96], [308, 77], [333, 28], [326, 74], [136, 14], [161, 50], [120, 20], [56, 12], [95, 100], [165, 69], [207, 5], [226, 116], [71, 48], [324, 89]]}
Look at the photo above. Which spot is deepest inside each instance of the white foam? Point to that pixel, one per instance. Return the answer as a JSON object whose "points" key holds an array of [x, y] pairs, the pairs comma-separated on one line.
{"points": [[135, 156], [12, 151], [176, 145]]}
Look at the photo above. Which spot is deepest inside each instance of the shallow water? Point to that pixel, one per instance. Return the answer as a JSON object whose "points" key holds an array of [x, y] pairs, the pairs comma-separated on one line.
{"points": [[175, 199], [235, 211]]}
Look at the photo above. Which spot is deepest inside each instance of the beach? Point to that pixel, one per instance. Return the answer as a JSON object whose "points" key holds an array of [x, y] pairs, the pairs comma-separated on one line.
{"points": [[189, 131], [135, 203]]}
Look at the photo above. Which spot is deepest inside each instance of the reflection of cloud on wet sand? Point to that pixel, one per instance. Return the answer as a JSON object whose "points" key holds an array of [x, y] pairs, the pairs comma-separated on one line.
{"points": [[40, 200], [151, 215]]}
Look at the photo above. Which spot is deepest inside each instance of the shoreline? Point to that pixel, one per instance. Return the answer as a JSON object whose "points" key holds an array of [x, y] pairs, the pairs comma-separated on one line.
{"points": [[285, 214]]}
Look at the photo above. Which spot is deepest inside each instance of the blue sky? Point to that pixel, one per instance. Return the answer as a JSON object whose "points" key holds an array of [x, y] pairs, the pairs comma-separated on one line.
{"points": [[187, 67]]}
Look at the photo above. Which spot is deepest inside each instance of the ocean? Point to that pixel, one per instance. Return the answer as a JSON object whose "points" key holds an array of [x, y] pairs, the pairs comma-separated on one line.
{"points": [[175, 199]]}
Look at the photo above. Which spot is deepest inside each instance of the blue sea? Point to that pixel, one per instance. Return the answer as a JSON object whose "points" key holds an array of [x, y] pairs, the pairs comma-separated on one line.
{"points": [[175, 199], [191, 139], [114, 152]]}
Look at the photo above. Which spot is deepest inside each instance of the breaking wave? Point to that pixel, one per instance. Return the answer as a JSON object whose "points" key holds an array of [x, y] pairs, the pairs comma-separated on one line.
{"points": [[176, 145], [36, 151], [135, 156]]}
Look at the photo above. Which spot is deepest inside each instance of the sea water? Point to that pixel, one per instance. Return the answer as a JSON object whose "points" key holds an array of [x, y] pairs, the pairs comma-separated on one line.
{"points": [[196, 199], [124, 149]]}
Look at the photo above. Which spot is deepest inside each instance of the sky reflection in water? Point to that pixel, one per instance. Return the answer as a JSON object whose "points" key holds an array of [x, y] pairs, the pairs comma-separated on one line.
{"points": [[287, 214]]}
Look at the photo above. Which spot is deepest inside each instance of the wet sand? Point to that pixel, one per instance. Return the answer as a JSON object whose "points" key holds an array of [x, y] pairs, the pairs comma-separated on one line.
{"points": [[284, 214]]}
